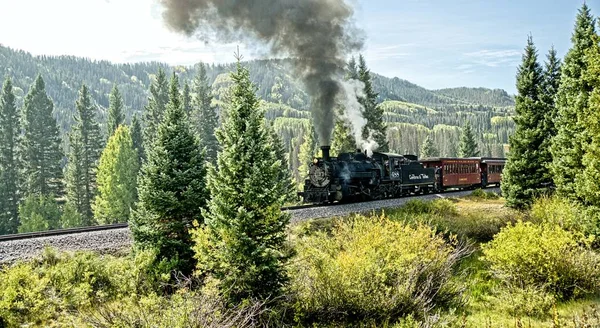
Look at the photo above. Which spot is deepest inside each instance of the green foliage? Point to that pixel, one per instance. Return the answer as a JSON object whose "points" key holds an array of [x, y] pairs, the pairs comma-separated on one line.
{"points": [[375, 127], [242, 245], [171, 189], [373, 268], [288, 188], [572, 103], [70, 218], [586, 184], [155, 109], [116, 115], [468, 145], [307, 153], [428, 148], [49, 289], [546, 256], [526, 175], [40, 144], [204, 116], [117, 175], [568, 214], [186, 99], [137, 138], [530, 301], [39, 213], [84, 156], [343, 140], [9, 188], [482, 194]]}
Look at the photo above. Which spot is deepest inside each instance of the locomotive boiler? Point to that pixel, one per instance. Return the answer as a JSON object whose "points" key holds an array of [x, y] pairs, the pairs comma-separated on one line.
{"points": [[355, 176]]}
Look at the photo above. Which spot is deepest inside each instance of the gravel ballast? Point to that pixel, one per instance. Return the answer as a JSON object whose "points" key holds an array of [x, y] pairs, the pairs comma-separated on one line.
{"points": [[117, 240]]}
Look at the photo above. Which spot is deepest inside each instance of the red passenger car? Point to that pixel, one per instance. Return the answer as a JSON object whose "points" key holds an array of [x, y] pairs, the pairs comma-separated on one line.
{"points": [[455, 172], [491, 171]]}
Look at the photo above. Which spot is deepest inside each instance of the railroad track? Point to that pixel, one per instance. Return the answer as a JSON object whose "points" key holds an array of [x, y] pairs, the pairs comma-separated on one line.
{"points": [[57, 232]]}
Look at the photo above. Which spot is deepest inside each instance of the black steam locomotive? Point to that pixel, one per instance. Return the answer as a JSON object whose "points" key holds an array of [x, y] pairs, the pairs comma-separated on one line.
{"points": [[356, 176]]}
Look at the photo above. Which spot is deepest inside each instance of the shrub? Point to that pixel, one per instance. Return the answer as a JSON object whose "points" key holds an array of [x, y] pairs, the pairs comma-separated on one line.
{"points": [[529, 301], [438, 206], [567, 214], [181, 310], [373, 268], [40, 290], [482, 194], [527, 255]]}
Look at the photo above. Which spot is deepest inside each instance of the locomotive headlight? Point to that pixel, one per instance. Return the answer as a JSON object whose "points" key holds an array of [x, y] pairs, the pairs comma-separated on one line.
{"points": [[315, 161]]}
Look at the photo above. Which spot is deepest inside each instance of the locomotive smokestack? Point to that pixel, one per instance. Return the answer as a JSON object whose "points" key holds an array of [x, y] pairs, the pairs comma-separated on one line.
{"points": [[325, 150]]}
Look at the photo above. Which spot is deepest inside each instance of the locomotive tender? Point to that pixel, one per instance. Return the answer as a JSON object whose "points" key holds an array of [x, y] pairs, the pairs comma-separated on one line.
{"points": [[356, 176]]}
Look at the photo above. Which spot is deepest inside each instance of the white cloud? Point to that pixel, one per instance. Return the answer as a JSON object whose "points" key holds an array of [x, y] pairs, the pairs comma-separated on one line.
{"points": [[494, 58]]}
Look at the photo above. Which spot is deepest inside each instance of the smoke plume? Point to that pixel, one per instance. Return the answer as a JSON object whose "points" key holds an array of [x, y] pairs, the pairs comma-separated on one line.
{"points": [[317, 33], [353, 113]]}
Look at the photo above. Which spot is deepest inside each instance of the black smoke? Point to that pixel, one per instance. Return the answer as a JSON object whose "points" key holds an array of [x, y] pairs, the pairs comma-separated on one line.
{"points": [[317, 33]]}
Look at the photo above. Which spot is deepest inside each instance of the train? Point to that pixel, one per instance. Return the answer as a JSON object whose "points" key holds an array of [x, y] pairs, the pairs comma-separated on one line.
{"points": [[359, 176]]}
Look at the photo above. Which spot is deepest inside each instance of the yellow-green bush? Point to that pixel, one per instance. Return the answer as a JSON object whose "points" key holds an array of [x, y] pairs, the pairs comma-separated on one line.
{"points": [[484, 195], [567, 214], [443, 214], [373, 268], [40, 290], [545, 255]]}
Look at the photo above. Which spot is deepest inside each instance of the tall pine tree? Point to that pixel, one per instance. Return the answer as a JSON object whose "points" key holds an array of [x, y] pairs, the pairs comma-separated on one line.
{"points": [[587, 184], [154, 111], [84, 156], [137, 137], [428, 148], [186, 99], [571, 103], [375, 127], [172, 189], [204, 116], [9, 132], [116, 116], [117, 179], [550, 86], [242, 244], [467, 146], [285, 175], [526, 174], [40, 153]]}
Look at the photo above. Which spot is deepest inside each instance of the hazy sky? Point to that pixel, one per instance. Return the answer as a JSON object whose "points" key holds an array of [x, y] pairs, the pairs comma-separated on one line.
{"points": [[434, 43]]}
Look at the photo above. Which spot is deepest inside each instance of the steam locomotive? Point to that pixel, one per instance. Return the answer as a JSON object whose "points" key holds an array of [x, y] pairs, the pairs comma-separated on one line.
{"points": [[355, 176]]}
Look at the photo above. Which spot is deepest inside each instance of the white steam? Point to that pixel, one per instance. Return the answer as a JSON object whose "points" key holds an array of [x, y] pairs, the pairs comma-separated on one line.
{"points": [[353, 113]]}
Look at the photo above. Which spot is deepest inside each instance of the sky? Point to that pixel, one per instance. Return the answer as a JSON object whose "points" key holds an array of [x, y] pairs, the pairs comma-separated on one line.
{"points": [[433, 43]]}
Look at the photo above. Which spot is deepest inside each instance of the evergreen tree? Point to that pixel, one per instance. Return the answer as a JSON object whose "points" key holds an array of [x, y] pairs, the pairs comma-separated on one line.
{"points": [[375, 127], [137, 138], [117, 175], [70, 218], [526, 175], [9, 131], [154, 111], [39, 213], [468, 145], [242, 244], [587, 186], [343, 140], [352, 70], [171, 189], [85, 153], [204, 116], [186, 99], [285, 176], [571, 103], [40, 154], [116, 116], [307, 154], [550, 84], [428, 148]]}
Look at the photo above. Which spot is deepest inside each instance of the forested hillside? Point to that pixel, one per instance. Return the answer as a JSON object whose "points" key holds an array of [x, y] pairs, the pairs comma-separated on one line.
{"points": [[413, 112]]}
